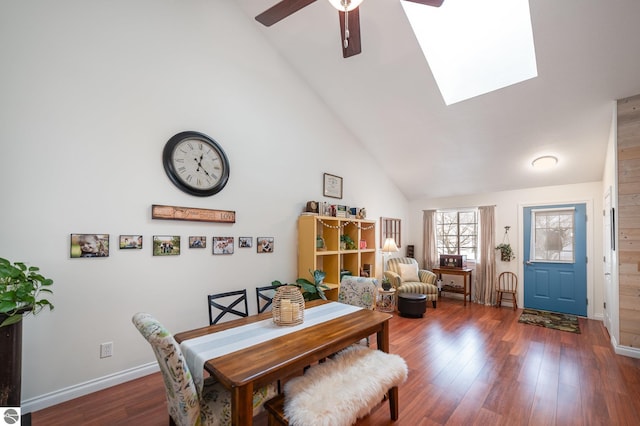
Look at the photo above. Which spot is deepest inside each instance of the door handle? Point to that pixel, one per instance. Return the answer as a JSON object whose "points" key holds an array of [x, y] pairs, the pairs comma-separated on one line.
{"points": [[528, 262]]}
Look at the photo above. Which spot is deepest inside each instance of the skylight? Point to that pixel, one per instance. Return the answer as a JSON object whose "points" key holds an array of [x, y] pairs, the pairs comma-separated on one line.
{"points": [[475, 47]]}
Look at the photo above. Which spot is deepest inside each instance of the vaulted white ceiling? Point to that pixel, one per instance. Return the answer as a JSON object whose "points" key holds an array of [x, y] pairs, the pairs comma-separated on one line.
{"points": [[588, 55]]}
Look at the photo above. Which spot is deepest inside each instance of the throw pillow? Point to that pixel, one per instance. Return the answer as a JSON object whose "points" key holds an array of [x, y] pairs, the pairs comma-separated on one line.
{"points": [[409, 272]]}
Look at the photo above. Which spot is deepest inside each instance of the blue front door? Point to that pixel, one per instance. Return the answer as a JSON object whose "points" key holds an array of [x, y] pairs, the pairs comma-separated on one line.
{"points": [[555, 258]]}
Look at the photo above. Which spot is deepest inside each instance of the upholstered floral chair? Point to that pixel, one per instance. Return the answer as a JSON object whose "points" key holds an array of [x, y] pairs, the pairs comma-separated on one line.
{"points": [[406, 277], [358, 291], [186, 406]]}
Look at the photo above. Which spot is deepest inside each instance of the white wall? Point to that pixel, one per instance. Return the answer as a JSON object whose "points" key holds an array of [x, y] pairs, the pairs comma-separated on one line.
{"points": [[91, 92], [508, 212]]}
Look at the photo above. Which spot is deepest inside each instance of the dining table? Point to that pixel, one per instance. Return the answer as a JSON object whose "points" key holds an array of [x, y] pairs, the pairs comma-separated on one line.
{"points": [[248, 353]]}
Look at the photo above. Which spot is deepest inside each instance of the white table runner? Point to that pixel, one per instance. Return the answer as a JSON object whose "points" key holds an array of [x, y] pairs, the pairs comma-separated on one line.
{"points": [[201, 349]]}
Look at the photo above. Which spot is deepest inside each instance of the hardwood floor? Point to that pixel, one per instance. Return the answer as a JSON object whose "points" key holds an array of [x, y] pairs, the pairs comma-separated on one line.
{"points": [[467, 365]]}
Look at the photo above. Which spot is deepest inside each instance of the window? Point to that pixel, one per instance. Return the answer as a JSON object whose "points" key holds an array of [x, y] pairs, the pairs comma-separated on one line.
{"points": [[475, 47], [390, 228], [552, 235], [457, 232]]}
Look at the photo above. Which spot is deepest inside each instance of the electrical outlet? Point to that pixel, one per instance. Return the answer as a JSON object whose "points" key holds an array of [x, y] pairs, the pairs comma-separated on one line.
{"points": [[106, 350]]}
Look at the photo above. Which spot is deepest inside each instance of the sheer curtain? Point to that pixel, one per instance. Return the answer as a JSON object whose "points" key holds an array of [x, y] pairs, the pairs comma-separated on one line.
{"points": [[486, 262], [429, 244]]}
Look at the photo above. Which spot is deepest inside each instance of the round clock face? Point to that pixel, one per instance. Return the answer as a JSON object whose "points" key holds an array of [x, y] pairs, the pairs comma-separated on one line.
{"points": [[196, 164]]}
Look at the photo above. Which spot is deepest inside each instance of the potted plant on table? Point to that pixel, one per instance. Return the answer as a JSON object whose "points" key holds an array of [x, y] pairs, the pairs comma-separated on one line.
{"points": [[21, 289], [386, 283]]}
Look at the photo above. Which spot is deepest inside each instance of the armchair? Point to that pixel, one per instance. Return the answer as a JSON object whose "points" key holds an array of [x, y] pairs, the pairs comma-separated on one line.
{"points": [[406, 277]]}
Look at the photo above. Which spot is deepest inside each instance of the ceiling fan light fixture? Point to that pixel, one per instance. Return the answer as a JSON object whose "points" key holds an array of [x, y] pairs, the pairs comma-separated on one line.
{"points": [[345, 5], [545, 162]]}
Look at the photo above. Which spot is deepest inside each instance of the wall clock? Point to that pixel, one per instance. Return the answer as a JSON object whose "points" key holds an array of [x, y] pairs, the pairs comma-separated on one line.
{"points": [[195, 163]]}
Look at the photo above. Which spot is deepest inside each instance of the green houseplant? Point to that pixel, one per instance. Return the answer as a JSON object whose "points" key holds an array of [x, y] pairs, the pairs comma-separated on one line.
{"points": [[310, 290], [506, 252], [347, 242], [21, 289]]}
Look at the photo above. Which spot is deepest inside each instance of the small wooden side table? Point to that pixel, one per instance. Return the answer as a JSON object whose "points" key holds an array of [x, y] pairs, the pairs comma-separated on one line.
{"points": [[465, 272], [386, 300]]}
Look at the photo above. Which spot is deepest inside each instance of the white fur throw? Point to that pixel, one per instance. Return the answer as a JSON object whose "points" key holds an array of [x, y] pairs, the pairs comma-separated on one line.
{"points": [[344, 388]]}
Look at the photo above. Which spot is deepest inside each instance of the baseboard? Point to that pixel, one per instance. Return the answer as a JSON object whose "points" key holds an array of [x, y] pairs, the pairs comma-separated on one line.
{"points": [[81, 389], [625, 350]]}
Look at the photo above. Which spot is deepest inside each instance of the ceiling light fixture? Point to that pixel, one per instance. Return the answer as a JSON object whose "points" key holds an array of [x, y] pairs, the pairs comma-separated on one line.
{"points": [[345, 6], [544, 162]]}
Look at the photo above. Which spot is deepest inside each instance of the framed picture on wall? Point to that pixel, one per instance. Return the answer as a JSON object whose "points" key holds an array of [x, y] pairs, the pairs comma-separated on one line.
{"points": [[245, 242], [223, 245], [131, 242], [265, 245], [89, 245], [332, 186], [166, 245], [198, 241]]}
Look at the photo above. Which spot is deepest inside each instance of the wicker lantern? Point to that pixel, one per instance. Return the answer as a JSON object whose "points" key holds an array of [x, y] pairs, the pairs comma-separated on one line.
{"points": [[288, 306]]}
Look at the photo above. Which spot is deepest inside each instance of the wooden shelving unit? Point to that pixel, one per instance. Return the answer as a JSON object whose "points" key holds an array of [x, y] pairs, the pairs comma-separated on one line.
{"points": [[331, 258]]}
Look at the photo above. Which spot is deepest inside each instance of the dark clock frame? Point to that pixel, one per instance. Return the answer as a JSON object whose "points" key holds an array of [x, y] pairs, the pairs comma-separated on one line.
{"points": [[172, 173]]}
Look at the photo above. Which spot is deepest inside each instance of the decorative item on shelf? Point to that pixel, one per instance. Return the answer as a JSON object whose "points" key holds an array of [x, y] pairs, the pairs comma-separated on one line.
{"points": [[347, 243], [410, 251], [341, 211], [320, 243], [363, 244], [311, 207], [506, 252], [288, 306], [362, 213], [366, 270]]}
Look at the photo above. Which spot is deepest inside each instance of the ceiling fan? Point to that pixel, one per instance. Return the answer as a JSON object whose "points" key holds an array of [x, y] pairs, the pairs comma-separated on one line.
{"points": [[348, 12]]}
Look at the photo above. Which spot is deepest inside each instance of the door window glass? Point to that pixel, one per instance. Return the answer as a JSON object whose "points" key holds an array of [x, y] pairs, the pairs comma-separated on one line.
{"points": [[553, 235]]}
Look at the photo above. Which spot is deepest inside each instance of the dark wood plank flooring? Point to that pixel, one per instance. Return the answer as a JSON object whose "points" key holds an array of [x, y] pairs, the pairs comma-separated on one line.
{"points": [[468, 365]]}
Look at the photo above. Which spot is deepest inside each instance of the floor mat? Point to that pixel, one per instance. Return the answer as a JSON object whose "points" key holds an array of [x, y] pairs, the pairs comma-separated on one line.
{"points": [[552, 320]]}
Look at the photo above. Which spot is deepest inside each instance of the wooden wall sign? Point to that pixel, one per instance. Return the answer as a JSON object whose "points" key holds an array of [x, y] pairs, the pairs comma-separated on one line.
{"points": [[189, 213]]}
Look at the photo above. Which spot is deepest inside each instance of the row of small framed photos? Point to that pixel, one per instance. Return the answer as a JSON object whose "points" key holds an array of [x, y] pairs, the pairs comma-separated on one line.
{"points": [[97, 245]]}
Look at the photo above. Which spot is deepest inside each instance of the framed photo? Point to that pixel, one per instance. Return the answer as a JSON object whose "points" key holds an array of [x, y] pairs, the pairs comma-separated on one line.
{"points": [[131, 242], [89, 245], [245, 242], [265, 244], [198, 242], [166, 245], [223, 245], [332, 186]]}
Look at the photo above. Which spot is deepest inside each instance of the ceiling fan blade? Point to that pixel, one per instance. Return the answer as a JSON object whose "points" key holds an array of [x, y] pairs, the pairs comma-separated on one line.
{"points": [[434, 3], [281, 10], [353, 48]]}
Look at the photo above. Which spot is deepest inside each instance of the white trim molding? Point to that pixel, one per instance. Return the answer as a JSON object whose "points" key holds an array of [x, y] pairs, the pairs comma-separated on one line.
{"points": [[81, 389]]}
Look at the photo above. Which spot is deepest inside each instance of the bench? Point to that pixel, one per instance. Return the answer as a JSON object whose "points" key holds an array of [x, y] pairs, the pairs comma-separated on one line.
{"points": [[340, 390]]}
